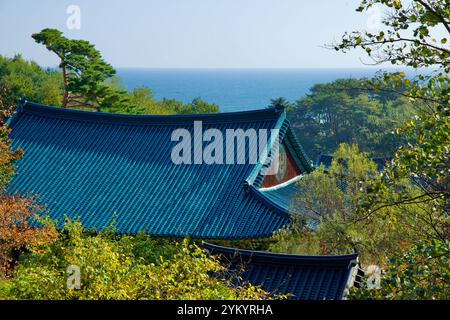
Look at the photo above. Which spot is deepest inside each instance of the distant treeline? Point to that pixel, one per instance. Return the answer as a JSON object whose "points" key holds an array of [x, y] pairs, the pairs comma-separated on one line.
{"points": [[343, 111], [20, 78]]}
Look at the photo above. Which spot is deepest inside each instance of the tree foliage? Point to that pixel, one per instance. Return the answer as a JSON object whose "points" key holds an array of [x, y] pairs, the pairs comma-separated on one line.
{"points": [[425, 158], [89, 81], [142, 101], [8, 157], [411, 35], [344, 112], [20, 78], [16, 233], [280, 102], [423, 272], [23, 79], [415, 34], [83, 70], [15, 211], [113, 267], [328, 218]]}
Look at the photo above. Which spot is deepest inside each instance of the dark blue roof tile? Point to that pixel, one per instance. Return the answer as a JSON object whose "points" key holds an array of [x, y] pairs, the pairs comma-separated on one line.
{"points": [[303, 277]]}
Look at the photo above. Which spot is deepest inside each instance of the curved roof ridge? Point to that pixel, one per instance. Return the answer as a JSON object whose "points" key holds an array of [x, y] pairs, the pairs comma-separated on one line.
{"points": [[283, 184], [255, 177], [346, 260], [74, 114], [300, 155]]}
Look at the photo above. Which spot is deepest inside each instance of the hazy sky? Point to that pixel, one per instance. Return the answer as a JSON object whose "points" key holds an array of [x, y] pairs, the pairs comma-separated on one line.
{"points": [[192, 33]]}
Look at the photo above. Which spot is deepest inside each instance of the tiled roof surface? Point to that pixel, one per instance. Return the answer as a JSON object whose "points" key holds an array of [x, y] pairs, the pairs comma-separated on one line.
{"points": [[303, 277], [97, 167]]}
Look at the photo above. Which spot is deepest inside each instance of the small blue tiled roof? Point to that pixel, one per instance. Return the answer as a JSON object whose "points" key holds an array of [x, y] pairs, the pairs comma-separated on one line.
{"points": [[303, 277], [97, 167]]}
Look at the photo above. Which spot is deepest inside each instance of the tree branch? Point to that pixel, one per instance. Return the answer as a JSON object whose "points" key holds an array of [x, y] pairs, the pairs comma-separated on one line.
{"points": [[437, 15]]}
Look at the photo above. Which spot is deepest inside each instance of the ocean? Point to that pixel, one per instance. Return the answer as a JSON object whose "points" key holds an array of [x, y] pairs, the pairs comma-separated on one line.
{"points": [[234, 89]]}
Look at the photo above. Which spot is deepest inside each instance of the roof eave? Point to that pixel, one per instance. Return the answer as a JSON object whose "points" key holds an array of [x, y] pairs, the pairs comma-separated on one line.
{"points": [[133, 119], [346, 262]]}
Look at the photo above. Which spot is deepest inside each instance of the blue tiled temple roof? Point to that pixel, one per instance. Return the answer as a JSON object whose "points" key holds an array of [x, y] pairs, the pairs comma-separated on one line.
{"points": [[97, 167], [303, 277]]}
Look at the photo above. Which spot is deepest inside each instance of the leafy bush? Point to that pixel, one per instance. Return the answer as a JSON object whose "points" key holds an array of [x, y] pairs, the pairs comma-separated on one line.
{"points": [[412, 233], [20, 78], [16, 234], [8, 157], [15, 211], [329, 216], [113, 267], [423, 272]]}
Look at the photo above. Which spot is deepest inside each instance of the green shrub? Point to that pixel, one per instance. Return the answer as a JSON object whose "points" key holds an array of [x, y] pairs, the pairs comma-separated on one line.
{"points": [[423, 272], [331, 200], [113, 267]]}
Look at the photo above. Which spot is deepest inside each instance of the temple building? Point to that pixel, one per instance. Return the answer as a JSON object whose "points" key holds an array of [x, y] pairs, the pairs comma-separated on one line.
{"points": [[100, 168]]}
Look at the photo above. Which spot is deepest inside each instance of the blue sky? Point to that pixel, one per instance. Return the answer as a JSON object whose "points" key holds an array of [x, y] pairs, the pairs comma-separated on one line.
{"points": [[192, 33]]}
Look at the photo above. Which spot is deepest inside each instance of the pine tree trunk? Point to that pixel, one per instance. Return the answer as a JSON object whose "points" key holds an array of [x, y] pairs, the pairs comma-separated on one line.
{"points": [[66, 90]]}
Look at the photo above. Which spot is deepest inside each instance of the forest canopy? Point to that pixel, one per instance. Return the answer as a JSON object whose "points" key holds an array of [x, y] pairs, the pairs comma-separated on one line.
{"points": [[343, 111]]}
